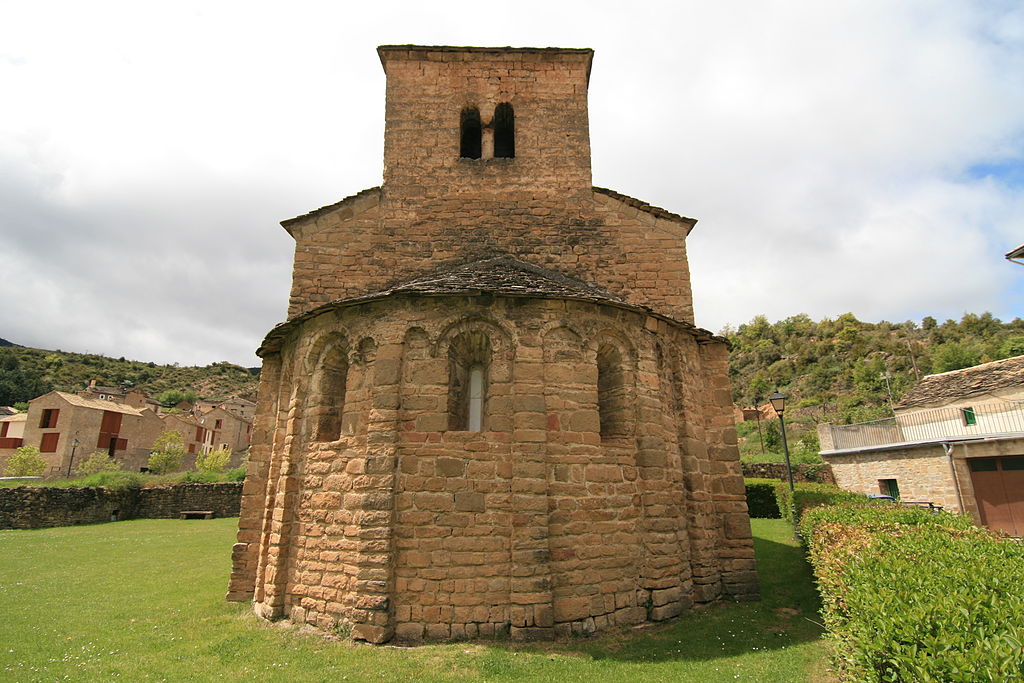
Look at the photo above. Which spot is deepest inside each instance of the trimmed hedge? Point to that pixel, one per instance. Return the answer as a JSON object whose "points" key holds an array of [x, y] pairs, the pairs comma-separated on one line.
{"points": [[761, 500], [811, 496], [911, 595]]}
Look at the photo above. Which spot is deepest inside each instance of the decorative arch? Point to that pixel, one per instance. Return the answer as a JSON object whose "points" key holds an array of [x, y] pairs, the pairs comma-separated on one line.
{"points": [[478, 353], [616, 400], [328, 364]]}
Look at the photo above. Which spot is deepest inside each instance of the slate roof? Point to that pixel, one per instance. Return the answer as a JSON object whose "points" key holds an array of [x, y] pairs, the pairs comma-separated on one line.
{"points": [[501, 275], [958, 384], [504, 275], [97, 404]]}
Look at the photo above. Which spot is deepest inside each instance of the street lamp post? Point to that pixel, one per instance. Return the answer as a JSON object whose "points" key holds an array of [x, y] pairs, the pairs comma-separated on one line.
{"points": [[74, 445], [778, 401]]}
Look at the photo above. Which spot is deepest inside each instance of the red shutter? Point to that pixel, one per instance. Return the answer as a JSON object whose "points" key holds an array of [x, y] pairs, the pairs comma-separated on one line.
{"points": [[122, 444], [104, 441], [199, 433], [191, 448], [49, 442], [111, 423]]}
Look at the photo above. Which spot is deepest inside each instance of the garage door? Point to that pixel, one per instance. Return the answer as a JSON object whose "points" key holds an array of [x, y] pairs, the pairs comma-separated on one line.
{"points": [[999, 490]]}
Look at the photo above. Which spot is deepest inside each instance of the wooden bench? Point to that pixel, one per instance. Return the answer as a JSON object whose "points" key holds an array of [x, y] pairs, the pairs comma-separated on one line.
{"points": [[196, 514]]}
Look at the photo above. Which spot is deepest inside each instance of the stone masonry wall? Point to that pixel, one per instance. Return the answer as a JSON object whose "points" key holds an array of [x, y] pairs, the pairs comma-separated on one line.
{"points": [[27, 507], [535, 526], [436, 209]]}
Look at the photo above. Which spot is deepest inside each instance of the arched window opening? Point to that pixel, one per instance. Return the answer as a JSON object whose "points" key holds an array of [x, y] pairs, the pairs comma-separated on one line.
{"points": [[470, 134], [469, 359], [504, 131], [328, 403], [611, 393]]}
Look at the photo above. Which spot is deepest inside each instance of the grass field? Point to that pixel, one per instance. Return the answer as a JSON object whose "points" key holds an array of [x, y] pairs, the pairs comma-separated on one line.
{"points": [[144, 601]]}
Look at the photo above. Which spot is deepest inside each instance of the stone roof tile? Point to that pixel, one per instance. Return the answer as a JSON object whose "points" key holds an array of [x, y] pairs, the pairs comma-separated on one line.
{"points": [[957, 384]]}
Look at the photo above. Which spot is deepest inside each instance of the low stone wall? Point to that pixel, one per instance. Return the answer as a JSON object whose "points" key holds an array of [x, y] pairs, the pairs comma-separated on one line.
{"points": [[33, 507], [821, 474]]}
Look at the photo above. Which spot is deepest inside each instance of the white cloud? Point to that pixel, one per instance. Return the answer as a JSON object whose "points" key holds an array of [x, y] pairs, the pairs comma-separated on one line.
{"points": [[148, 150]]}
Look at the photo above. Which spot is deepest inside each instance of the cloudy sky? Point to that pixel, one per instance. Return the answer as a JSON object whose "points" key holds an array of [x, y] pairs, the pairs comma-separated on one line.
{"points": [[857, 155]]}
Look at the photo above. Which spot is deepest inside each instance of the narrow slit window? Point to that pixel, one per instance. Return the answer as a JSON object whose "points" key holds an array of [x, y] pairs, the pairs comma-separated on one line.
{"points": [[611, 393], [470, 134], [504, 131], [329, 399], [469, 357], [475, 407]]}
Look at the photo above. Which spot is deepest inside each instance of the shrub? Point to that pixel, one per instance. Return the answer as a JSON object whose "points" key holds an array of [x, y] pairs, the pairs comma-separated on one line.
{"points": [[761, 500], [810, 495], [96, 463], [200, 477], [235, 474], [168, 451], [25, 462], [910, 595], [214, 461], [112, 480]]}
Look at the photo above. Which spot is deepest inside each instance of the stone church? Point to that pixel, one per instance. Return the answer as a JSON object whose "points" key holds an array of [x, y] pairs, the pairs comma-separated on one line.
{"points": [[489, 412]]}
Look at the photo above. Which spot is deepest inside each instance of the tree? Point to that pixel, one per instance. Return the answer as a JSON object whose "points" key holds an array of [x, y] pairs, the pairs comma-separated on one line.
{"points": [[98, 462], [953, 356], [772, 436], [168, 450], [214, 461], [25, 462]]}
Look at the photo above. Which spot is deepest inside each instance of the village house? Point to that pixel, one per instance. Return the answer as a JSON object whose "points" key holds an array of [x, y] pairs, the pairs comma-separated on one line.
{"points": [[956, 440], [134, 397], [490, 411], [225, 429], [68, 428], [193, 434], [12, 431]]}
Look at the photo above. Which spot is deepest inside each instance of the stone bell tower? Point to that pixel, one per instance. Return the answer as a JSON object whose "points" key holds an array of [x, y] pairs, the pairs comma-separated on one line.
{"points": [[489, 411]]}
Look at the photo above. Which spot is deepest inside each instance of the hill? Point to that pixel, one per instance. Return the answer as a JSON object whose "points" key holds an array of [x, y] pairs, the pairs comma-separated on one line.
{"points": [[835, 370], [26, 373]]}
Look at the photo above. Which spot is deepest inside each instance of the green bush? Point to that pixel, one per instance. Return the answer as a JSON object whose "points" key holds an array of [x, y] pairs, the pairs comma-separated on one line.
{"points": [[215, 461], [168, 451], [761, 500], [235, 474], [910, 595], [193, 477], [97, 462], [111, 480], [810, 495], [25, 462]]}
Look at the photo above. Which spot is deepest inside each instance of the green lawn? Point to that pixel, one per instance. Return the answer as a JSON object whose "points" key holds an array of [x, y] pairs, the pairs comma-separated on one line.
{"points": [[144, 600]]}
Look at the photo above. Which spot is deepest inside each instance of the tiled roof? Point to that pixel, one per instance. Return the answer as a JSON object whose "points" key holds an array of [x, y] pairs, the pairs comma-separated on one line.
{"points": [[17, 417], [957, 384], [500, 275], [97, 404]]}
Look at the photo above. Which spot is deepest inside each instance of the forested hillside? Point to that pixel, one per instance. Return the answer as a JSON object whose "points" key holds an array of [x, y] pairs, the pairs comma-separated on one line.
{"points": [[835, 370], [26, 373]]}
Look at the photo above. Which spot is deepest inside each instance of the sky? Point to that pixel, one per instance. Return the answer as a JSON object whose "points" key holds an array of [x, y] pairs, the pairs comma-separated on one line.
{"points": [[850, 155]]}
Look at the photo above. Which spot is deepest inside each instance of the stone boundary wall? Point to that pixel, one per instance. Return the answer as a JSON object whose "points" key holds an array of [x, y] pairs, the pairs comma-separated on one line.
{"points": [[821, 474], [34, 507]]}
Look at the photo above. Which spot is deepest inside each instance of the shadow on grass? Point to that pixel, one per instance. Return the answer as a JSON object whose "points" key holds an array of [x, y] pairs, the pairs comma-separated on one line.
{"points": [[786, 615]]}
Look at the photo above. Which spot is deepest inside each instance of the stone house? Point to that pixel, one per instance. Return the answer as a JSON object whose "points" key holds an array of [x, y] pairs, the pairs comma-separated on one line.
{"points": [[956, 440], [67, 428], [225, 429], [490, 411], [193, 434]]}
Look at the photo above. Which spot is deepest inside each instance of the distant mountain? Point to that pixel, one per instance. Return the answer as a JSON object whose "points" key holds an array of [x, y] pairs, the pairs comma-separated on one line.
{"points": [[4, 342], [26, 373]]}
